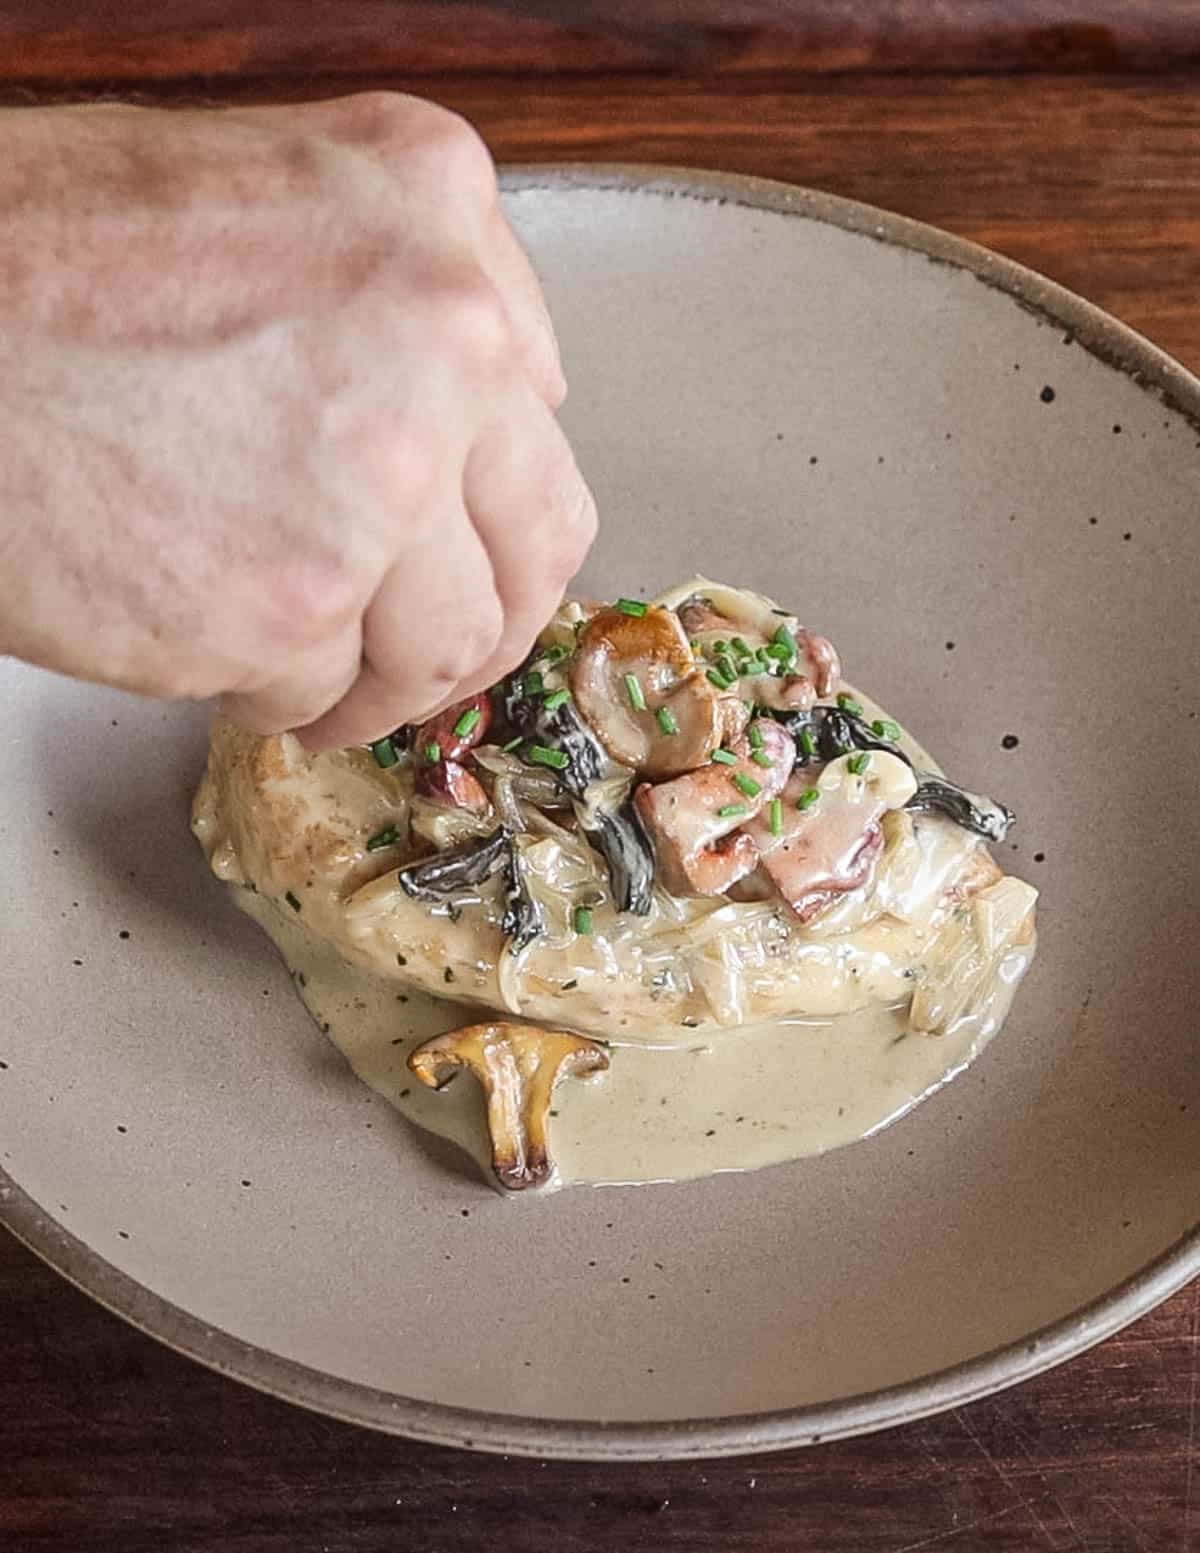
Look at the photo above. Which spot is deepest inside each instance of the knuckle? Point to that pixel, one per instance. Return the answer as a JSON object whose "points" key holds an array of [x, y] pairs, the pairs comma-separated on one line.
{"points": [[312, 599], [378, 118], [456, 150], [473, 316], [473, 643]]}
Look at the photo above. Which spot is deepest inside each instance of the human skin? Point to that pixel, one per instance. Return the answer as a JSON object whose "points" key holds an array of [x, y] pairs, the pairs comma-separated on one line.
{"points": [[277, 395]]}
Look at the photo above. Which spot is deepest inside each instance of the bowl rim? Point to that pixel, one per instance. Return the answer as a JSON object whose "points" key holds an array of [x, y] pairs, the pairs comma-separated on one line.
{"points": [[1121, 348]]}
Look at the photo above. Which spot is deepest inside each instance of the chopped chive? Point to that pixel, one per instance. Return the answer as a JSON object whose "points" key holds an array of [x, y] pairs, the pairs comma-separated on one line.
{"points": [[777, 816], [808, 742], [582, 920], [739, 647], [541, 756], [761, 758], [697, 647], [746, 784], [511, 745], [632, 607], [859, 763], [433, 753], [721, 681], [885, 728], [849, 704], [384, 752], [755, 736], [534, 684], [808, 798], [725, 757], [556, 653], [559, 698], [468, 722], [729, 810], [387, 837], [667, 720], [637, 699], [292, 901], [720, 646], [727, 666], [778, 653], [784, 638]]}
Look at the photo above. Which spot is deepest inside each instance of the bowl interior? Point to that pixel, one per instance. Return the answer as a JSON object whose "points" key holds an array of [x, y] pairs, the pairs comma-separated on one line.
{"points": [[998, 529]]}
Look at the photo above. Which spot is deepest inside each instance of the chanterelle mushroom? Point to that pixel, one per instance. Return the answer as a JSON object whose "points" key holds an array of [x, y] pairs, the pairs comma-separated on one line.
{"points": [[637, 684], [518, 1066]]}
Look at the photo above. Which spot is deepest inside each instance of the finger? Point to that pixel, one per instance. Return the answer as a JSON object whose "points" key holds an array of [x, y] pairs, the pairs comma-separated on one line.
{"points": [[309, 690], [535, 517], [434, 620], [508, 268]]}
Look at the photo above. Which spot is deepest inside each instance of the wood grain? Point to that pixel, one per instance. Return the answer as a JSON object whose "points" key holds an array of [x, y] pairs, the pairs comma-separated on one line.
{"points": [[110, 1442], [143, 40]]}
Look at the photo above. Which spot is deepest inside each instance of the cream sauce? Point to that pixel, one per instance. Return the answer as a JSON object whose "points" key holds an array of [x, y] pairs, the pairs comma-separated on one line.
{"points": [[742, 1099]]}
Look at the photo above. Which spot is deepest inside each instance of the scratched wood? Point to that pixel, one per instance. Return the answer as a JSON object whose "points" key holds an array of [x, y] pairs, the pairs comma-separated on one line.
{"points": [[82, 40], [108, 1441]]}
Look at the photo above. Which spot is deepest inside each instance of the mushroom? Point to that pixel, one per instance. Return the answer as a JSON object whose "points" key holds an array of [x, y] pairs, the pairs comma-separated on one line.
{"points": [[696, 821], [637, 686], [711, 613], [827, 845], [518, 1067], [440, 745]]}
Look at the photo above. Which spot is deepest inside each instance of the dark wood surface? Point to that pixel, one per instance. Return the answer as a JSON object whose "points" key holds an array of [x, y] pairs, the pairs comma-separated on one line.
{"points": [[1068, 136]]}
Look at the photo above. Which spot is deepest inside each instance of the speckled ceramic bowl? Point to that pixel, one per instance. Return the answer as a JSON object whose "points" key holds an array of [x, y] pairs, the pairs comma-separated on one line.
{"points": [[986, 492]]}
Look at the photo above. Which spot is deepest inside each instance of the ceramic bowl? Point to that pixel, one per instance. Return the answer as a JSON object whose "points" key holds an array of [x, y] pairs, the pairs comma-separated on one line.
{"points": [[985, 491]]}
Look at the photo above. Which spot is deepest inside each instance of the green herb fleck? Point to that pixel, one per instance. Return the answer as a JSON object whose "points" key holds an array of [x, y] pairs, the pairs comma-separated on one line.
{"points": [[582, 920], [756, 738], [808, 742], [725, 757], [637, 699], [384, 752], [667, 720], [533, 684], [721, 681], [557, 653], [859, 763], [541, 756], [885, 728], [761, 758], [784, 638], [746, 784], [292, 901], [388, 837], [739, 647], [849, 704], [808, 798], [632, 607], [777, 816], [468, 722], [433, 753], [727, 811], [512, 744], [559, 698]]}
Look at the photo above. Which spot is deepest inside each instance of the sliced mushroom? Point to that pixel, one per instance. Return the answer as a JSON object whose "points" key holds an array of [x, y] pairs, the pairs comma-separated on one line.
{"points": [[696, 821], [636, 683], [440, 749], [831, 845], [518, 1067]]}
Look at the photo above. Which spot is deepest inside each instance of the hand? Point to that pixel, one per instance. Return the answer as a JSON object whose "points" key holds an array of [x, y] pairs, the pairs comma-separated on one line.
{"points": [[276, 410]]}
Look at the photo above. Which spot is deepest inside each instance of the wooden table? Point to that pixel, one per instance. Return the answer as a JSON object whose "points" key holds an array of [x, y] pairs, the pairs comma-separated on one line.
{"points": [[1071, 145]]}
